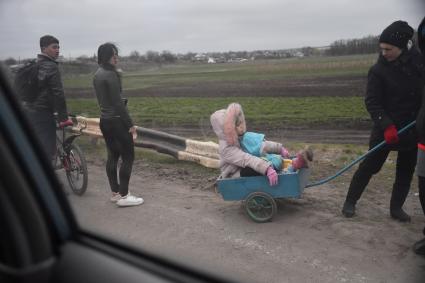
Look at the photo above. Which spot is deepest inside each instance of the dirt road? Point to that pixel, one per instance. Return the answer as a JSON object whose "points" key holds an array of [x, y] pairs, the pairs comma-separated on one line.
{"points": [[308, 240]]}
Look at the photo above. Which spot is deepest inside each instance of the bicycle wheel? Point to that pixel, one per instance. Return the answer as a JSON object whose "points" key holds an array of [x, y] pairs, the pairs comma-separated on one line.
{"points": [[76, 171]]}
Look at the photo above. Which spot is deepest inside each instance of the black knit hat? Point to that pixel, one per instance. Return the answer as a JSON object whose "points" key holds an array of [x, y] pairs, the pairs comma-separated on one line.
{"points": [[397, 34]]}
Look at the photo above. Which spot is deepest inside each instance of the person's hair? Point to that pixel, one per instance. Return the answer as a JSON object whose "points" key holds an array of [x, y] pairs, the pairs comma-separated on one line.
{"points": [[46, 40], [105, 53]]}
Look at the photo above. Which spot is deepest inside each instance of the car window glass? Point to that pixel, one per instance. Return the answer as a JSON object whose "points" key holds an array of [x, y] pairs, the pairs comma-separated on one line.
{"points": [[121, 97]]}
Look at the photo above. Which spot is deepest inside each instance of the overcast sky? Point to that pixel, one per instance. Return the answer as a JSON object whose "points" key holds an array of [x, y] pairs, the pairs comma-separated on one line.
{"points": [[181, 26]]}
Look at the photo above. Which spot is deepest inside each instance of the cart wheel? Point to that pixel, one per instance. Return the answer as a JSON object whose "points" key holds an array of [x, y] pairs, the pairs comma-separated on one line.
{"points": [[260, 207]]}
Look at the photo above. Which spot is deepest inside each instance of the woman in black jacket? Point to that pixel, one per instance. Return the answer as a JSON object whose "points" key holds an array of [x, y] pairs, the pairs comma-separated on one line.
{"points": [[116, 125], [393, 97]]}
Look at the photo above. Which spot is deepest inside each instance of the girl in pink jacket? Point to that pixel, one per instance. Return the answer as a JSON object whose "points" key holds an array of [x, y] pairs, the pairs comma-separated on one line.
{"points": [[229, 126]]}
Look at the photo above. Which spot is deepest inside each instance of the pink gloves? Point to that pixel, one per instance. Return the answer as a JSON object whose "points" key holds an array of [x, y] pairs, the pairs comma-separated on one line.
{"points": [[65, 123], [284, 153], [390, 134], [272, 176]]}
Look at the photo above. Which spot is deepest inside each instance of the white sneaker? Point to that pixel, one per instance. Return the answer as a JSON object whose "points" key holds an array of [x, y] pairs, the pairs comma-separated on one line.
{"points": [[115, 197], [129, 200]]}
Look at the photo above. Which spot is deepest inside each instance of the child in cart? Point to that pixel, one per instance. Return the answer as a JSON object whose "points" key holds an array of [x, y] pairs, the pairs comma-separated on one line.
{"points": [[275, 153], [245, 153]]}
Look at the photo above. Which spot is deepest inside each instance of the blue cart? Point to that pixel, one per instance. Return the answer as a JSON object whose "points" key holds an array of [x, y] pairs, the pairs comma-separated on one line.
{"points": [[259, 197]]}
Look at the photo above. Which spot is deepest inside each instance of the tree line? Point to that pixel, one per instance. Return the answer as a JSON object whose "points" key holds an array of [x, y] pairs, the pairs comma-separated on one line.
{"points": [[365, 45]]}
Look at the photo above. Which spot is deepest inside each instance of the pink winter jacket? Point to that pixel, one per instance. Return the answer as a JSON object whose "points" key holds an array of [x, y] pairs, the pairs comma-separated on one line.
{"points": [[232, 158]]}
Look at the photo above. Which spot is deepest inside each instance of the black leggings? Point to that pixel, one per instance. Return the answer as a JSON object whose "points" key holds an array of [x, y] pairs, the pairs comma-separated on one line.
{"points": [[119, 143]]}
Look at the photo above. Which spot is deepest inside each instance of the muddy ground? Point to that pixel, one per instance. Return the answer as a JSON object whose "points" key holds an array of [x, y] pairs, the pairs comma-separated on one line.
{"points": [[185, 219], [308, 240]]}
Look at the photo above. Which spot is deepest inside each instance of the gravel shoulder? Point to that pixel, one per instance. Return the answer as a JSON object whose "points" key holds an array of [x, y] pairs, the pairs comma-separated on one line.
{"points": [[307, 241]]}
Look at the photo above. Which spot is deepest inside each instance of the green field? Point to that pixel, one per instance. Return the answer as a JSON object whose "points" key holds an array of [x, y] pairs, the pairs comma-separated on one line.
{"points": [[269, 111], [166, 75], [266, 111]]}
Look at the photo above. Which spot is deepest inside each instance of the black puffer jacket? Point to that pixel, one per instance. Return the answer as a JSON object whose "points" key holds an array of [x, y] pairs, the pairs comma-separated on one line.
{"points": [[107, 85], [394, 94], [51, 96], [420, 122]]}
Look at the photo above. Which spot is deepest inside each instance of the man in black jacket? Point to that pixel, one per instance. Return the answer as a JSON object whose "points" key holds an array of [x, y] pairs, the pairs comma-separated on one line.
{"points": [[50, 97], [393, 97], [419, 246]]}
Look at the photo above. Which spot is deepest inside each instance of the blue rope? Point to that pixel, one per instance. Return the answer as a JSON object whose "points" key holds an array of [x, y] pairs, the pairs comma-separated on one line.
{"points": [[360, 158]]}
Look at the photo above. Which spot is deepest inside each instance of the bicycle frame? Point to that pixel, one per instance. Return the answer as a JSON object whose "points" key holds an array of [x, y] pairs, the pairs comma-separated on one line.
{"points": [[63, 146], [70, 157], [64, 142]]}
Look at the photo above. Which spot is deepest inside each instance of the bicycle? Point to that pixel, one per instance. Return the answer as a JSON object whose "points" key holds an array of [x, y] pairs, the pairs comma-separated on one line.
{"points": [[70, 157]]}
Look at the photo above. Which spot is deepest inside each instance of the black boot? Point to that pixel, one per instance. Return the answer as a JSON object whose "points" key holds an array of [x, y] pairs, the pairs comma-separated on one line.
{"points": [[419, 247], [398, 197], [400, 215], [349, 209]]}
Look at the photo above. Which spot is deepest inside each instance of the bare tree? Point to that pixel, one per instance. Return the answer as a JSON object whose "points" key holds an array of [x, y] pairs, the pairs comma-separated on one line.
{"points": [[10, 61], [134, 56], [368, 44], [153, 56], [168, 57]]}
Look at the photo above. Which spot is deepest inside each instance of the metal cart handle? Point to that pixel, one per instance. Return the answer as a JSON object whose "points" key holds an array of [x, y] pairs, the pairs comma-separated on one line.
{"points": [[360, 158]]}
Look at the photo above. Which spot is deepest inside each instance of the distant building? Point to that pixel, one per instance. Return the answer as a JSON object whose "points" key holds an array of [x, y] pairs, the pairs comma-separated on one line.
{"points": [[200, 57], [298, 54]]}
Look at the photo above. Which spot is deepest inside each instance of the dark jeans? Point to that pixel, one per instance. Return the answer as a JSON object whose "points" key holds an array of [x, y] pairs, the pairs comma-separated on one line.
{"points": [[44, 126], [119, 143], [421, 184], [372, 164]]}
